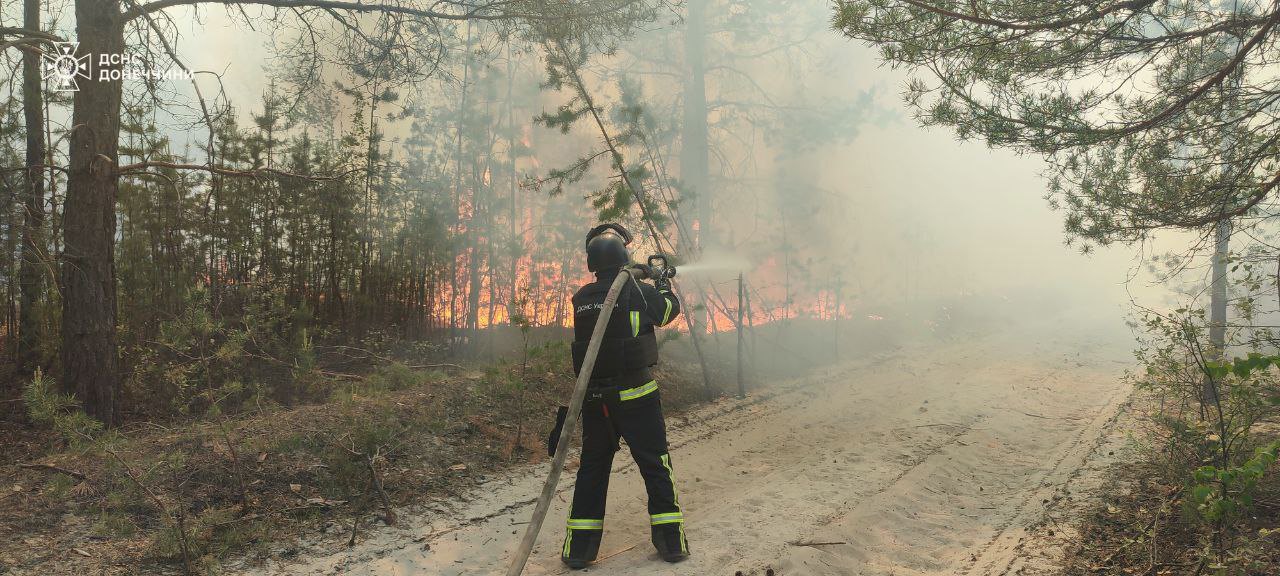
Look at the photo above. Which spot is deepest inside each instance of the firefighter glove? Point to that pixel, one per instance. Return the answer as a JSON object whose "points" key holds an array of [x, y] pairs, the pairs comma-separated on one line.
{"points": [[553, 439]]}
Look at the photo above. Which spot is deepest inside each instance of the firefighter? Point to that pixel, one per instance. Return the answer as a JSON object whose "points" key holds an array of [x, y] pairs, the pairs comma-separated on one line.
{"points": [[622, 402]]}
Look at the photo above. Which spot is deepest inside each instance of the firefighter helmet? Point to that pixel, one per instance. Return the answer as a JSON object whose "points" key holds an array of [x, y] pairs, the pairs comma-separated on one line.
{"points": [[607, 247]]}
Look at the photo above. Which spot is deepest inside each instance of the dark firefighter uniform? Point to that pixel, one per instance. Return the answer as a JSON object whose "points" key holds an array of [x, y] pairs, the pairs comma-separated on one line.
{"points": [[622, 402]]}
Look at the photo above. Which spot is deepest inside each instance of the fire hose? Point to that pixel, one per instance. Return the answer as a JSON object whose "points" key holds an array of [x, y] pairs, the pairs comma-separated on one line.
{"points": [[571, 419]]}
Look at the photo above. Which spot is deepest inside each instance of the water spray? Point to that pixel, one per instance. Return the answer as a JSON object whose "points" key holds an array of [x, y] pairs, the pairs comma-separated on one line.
{"points": [[710, 263]]}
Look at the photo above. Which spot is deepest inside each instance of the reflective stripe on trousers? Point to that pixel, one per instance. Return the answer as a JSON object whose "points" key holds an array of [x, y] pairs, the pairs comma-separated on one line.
{"points": [[634, 415]]}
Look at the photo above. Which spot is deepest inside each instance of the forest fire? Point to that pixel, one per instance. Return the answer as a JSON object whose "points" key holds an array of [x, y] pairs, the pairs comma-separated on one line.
{"points": [[543, 290], [538, 295], [277, 274]]}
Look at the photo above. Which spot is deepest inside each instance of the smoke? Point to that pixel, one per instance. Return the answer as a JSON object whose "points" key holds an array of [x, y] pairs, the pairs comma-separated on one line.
{"points": [[826, 195]]}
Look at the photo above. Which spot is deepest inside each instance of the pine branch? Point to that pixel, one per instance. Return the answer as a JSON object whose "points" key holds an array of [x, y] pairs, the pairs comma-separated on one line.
{"points": [[223, 171]]}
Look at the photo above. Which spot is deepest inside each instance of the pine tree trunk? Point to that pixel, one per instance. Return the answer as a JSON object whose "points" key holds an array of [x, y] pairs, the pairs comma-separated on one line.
{"points": [[1218, 305], [31, 274], [90, 364], [694, 150], [454, 216], [475, 260], [366, 237], [10, 246], [513, 307]]}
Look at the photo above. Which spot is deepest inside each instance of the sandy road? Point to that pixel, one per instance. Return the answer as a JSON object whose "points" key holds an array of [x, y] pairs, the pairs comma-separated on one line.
{"points": [[932, 459]]}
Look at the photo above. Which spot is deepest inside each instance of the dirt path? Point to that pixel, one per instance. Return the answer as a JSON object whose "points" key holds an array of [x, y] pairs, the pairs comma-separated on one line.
{"points": [[933, 459]]}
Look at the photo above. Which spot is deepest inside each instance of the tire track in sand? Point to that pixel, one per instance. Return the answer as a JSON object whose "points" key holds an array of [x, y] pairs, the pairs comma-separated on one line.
{"points": [[927, 461]]}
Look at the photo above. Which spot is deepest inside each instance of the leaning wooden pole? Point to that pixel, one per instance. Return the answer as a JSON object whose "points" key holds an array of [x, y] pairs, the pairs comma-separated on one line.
{"points": [[570, 423]]}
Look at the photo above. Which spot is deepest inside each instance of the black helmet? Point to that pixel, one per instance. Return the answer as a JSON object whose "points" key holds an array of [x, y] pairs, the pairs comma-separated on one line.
{"points": [[607, 247]]}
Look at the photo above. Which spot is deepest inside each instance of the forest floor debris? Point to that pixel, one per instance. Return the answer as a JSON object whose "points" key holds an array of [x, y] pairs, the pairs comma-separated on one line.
{"points": [[174, 497], [1138, 522]]}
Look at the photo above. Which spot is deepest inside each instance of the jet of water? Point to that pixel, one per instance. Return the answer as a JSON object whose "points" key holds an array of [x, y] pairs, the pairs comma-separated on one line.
{"points": [[710, 263]]}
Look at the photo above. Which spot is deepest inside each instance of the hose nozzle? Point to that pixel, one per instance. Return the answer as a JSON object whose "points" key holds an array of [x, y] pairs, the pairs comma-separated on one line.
{"points": [[660, 267]]}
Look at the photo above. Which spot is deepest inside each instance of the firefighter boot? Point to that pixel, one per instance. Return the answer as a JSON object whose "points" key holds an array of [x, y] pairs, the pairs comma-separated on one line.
{"points": [[581, 545], [670, 541]]}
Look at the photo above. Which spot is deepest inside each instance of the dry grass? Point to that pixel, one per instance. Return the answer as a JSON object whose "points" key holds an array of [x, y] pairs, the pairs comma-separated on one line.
{"points": [[1144, 526], [270, 475]]}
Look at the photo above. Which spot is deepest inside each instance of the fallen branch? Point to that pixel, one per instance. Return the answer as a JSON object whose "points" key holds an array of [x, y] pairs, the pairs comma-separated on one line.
{"points": [[388, 514], [355, 529], [441, 365], [615, 553], [815, 544], [1148, 527], [1047, 417], [176, 514], [376, 356], [52, 468]]}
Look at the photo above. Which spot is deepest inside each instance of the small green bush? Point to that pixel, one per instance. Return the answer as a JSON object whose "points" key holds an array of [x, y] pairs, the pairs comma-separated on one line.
{"points": [[198, 361], [58, 412]]}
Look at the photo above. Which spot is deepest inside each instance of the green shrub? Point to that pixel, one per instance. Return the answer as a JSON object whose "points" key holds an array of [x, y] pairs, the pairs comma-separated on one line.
{"points": [[198, 361], [393, 376], [1208, 417], [58, 412]]}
